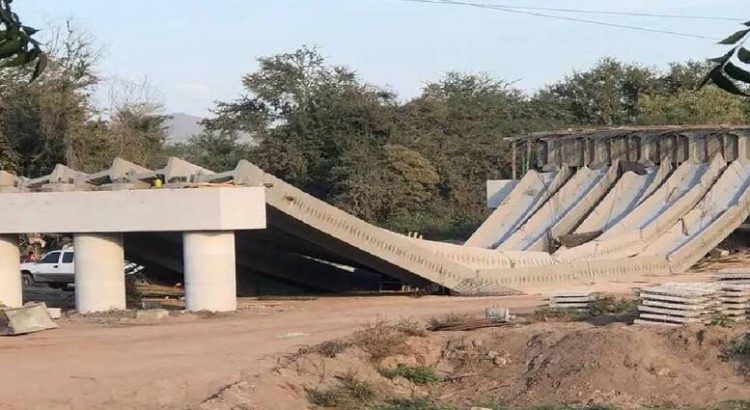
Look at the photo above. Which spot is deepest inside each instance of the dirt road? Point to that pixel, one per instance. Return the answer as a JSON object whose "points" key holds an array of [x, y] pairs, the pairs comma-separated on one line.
{"points": [[181, 361]]}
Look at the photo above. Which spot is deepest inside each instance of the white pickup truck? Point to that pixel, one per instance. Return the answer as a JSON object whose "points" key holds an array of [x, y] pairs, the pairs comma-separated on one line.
{"points": [[57, 269]]}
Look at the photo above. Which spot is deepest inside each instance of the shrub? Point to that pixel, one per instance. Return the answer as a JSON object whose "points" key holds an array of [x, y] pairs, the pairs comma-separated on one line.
{"points": [[720, 319], [415, 374], [328, 349], [448, 319], [411, 328], [420, 403], [609, 305], [545, 314], [381, 340], [737, 348], [348, 392]]}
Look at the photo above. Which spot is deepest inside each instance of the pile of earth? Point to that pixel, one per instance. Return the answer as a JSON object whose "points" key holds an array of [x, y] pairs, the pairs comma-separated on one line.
{"points": [[403, 366]]}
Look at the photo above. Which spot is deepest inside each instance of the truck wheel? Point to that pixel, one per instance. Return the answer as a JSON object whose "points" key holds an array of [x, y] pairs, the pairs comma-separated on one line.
{"points": [[27, 279]]}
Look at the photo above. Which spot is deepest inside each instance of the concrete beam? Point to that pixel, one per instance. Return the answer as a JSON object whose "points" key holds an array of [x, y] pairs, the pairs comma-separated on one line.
{"points": [[11, 292], [99, 272], [210, 271], [146, 210]]}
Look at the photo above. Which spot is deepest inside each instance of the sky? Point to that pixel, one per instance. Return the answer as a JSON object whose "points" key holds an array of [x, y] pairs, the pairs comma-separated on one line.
{"points": [[194, 52]]}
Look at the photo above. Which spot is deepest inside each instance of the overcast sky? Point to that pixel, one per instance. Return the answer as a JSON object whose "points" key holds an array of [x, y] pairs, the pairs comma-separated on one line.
{"points": [[195, 51]]}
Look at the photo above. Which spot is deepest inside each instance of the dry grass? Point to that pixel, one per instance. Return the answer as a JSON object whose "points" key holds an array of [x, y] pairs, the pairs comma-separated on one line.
{"points": [[330, 349], [349, 392], [381, 340], [415, 374], [449, 319]]}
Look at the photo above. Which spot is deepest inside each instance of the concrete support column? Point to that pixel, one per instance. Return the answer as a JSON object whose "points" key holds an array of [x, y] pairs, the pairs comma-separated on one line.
{"points": [[99, 272], [742, 147], [210, 271], [697, 150], [11, 291]]}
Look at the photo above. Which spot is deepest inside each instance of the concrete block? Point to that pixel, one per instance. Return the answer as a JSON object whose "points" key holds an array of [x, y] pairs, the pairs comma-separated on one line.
{"points": [[151, 314], [719, 253], [54, 313], [27, 319]]}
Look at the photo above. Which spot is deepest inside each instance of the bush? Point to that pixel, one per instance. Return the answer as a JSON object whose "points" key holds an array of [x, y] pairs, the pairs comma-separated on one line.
{"points": [[737, 349], [603, 306], [411, 328], [420, 403], [328, 349], [609, 305], [348, 392], [720, 319], [415, 374], [448, 319], [381, 340], [545, 314]]}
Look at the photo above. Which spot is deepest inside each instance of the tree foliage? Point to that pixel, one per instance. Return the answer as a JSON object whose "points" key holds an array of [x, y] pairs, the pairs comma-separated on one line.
{"points": [[54, 120], [18, 47], [421, 164], [409, 165]]}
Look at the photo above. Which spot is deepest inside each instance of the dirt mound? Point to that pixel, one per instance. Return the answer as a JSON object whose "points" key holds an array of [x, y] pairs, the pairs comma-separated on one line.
{"points": [[528, 365]]}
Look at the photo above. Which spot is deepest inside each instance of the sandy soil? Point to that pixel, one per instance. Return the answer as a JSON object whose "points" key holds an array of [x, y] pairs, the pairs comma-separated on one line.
{"points": [[183, 360], [577, 363]]}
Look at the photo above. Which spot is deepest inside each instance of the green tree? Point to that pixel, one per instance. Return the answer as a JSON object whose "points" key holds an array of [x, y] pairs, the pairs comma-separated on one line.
{"points": [[459, 124], [304, 116], [54, 120], [687, 106], [17, 44], [605, 95], [39, 121], [214, 150]]}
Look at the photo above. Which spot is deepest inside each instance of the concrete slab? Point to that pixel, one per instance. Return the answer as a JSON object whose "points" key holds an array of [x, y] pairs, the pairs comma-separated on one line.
{"points": [[26, 319]]}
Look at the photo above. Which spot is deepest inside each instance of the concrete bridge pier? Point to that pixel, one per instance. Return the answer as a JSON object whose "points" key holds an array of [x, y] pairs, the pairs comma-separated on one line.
{"points": [[11, 291], [210, 271], [99, 272]]}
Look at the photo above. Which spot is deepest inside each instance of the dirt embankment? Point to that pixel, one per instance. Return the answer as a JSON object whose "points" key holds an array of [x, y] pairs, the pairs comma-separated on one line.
{"points": [[522, 366]]}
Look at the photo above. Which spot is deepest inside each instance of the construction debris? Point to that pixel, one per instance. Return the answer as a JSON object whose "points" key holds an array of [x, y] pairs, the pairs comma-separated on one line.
{"points": [[467, 324], [576, 300], [31, 318], [719, 253], [498, 314], [151, 314], [493, 317]]}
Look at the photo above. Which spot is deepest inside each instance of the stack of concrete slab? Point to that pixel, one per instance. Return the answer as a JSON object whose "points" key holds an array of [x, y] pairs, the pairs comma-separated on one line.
{"points": [[736, 276], [735, 301], [574, 300], [676, 304]]}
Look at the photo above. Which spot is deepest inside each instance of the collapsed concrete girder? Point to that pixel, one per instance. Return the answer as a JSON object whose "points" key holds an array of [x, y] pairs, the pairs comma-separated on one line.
{"points": [[316, 246]]}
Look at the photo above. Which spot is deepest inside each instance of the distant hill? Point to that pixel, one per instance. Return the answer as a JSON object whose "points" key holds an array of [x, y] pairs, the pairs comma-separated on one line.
{"points": [[181, 126]]}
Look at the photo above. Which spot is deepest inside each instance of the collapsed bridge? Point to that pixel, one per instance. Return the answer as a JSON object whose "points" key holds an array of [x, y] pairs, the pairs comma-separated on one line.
{"points": [[631, 202]]}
